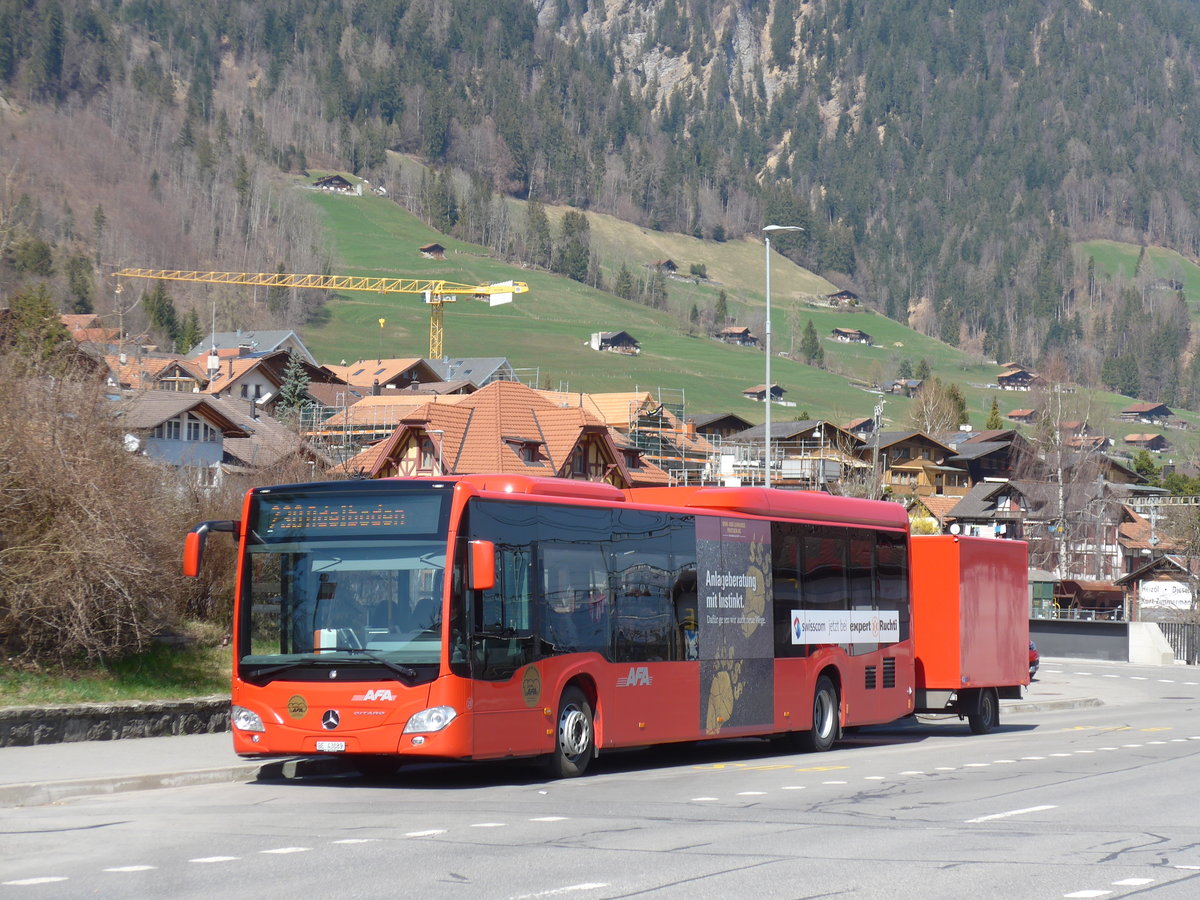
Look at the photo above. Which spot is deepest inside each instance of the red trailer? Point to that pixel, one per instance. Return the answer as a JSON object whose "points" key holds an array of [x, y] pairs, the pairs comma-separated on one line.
{"points": [[970, 625]]}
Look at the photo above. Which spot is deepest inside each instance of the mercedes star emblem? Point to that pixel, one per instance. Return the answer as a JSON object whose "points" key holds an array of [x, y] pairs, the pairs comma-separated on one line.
{"points": [[329, 719]]}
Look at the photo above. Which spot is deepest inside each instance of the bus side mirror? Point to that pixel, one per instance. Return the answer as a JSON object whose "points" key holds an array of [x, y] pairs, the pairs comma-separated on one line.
{"points": [[483, 565], [193, 544]]}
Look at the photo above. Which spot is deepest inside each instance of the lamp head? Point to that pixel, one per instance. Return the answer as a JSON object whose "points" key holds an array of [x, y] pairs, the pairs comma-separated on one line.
{"points": [[771, 229]]}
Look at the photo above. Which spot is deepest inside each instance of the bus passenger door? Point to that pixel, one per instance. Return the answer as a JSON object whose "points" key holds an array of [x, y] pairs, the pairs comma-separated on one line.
{"points": [[506, 697]]}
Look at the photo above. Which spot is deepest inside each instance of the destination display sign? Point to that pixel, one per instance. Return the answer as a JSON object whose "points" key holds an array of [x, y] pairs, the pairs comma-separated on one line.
{"points": [[311, 515]]}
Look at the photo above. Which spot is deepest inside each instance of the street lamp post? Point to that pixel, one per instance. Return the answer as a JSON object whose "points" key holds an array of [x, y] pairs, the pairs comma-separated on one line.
{"points": [[769, 230]]}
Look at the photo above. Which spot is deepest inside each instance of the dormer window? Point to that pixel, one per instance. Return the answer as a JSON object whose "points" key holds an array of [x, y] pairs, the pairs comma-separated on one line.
{"points": [[527, 449]]}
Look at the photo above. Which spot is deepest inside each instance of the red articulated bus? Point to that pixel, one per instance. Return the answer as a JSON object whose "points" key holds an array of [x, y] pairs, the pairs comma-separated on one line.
{"points": [[492, 616]]}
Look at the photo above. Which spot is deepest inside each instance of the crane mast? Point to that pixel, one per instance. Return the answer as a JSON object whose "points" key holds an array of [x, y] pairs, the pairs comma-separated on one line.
{"points": [[437, 292]]}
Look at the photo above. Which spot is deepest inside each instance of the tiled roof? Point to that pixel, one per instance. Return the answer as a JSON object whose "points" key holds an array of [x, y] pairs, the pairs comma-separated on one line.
{"points": [[267, 441], [470, 433], [619, 409], [146, 409], [144, 371], [233, 370], [368, 371], [940, 507]]}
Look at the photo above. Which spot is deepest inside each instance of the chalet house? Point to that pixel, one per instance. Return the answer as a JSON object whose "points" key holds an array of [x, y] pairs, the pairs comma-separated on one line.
{"points": [[737, 334], [384, 375], [930, 515], [842, 298], [246, 343], [88, 329], [643, 421], [861, 428], [904, 387], [1150, 413], [250, 378], [479, 370], [809, 454], [335, 183], [993, 455], [1141, 540], [1087, 442], [163, 373], [186, 431], [615, 342], [991, 509], [1161, 589], [913, 463], [266, 444], [759, 393], [720, 425], [666, 266], [852, 336], [1024, 416], [432, 251], [1155, 443], [506, 427], [1017, 379]]}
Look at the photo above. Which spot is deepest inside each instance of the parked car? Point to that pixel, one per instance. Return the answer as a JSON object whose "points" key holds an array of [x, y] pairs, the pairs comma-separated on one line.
{"points": [[1035, 659]]}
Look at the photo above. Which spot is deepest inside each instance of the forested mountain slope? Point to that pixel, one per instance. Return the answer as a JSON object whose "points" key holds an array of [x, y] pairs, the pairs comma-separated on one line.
{"points": [[944, 157]]}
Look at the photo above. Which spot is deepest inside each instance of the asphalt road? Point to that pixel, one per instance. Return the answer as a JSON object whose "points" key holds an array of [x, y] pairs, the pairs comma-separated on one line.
{"points": [[1082, 802]]}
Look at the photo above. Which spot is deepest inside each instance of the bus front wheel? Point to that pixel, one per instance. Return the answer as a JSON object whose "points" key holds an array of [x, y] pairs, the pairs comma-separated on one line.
{"points": [[826, 719], [575, 737]]}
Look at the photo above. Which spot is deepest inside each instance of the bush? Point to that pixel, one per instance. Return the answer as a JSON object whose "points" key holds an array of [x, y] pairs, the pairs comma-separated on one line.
{"points": [[90, 534]]}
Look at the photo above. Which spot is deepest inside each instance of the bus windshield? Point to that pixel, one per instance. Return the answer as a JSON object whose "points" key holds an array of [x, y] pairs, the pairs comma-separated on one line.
{"points": [[343, 578]]}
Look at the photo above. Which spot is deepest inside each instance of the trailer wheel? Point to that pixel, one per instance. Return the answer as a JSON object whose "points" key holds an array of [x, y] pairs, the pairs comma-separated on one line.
{"points": [[826, 726], [987, 716], [575, 736]]}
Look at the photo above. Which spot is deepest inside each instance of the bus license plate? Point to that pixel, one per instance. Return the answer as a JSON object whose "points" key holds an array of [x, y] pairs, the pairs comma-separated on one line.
{"points": [[331, 746]]}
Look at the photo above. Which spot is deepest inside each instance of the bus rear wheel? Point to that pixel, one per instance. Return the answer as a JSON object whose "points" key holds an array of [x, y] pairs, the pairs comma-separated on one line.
{"points": [[826, 721], [575, 736]]}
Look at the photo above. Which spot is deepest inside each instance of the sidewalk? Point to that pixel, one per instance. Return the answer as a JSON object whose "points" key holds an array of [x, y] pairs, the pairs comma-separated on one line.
{"points": [[48, 773]]}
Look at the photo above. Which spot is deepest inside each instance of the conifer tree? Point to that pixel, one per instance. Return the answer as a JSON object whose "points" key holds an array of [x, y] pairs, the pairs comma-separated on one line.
{"points": [[994, 422], [295, 386]]}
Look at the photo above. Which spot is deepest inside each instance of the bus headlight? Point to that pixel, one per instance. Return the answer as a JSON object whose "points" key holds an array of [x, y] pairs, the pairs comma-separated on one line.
{"points": [[433, 719], [246, 720]]}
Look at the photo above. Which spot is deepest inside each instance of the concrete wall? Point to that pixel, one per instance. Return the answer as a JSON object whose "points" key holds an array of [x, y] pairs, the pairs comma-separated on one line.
{"points": [[1080, 639], [23, 726], [1136, 642]]}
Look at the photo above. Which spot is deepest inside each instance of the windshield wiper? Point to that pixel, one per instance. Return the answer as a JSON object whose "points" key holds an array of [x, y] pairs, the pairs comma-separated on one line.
{"points": [[398, 668]]}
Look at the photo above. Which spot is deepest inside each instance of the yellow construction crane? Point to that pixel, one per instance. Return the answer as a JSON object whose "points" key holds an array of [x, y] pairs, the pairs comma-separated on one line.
{"points": [[437, 293]]}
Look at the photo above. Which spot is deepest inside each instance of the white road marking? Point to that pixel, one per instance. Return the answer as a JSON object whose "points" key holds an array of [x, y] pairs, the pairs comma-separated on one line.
{"points": [[793, 787], [549, 819], [1131, 745], [1033, 757], [488, 825], [1132, 882], [873, 778], [214, 859], [1060, 754], [131, 868], [976, 765], [1178, 740], [913, 772], [1085, 751], [1166, 681], [50, 879], [428, 833], [1002, 761], [357, 841], [1186, 867], [1110, 748], [1088, 894], [755, 793], [702, 799], [1111, 676], [1011, 812], [945, 769], [571, 888], [833, 782], [283, 850], [1083, 673], [1139, 678], [1192, 682], [1155, 743]]}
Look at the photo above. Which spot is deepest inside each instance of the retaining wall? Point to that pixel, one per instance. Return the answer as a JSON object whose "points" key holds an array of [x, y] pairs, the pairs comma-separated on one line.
{"points": [[23, 726]]}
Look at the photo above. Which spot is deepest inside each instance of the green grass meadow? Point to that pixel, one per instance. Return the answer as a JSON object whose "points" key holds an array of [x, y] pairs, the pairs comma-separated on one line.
{"points": [[547, 328]]}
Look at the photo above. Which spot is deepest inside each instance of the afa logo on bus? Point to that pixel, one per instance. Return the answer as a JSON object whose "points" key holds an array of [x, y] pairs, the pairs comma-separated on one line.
{"points": [[638, 675]]}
